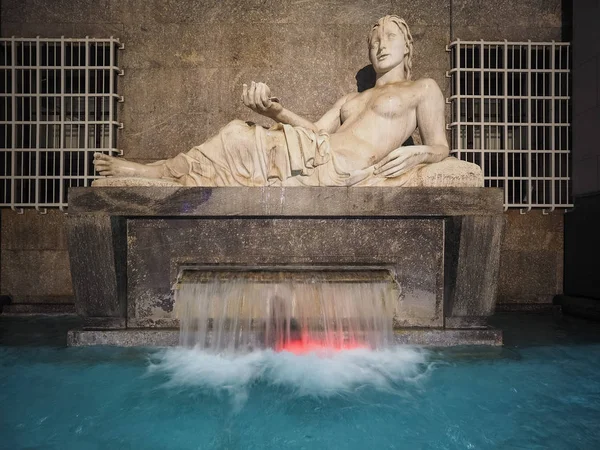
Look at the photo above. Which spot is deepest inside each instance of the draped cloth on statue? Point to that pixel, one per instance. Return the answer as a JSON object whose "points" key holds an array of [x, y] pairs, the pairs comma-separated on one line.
{"points": [[305, 160], [247, 162]]}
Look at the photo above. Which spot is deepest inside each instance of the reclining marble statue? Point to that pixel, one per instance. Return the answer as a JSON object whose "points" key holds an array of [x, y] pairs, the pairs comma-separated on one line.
{"points": [[358, 142]]}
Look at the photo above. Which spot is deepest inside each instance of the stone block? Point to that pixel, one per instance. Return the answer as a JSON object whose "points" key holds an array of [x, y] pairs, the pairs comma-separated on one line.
{"points": [[430, 48], [33, 231], [252, 12], [413, 248], [100, 30], [96, 251], [170, 337], [47, 308], [513, 20], [181, 45], [529, 276], [57, 11], [471, 264], [423, 12], [123, 338], [56, 30], [12, 11], [534, 231], [164, 121], [505, 13], [90, 323], [35, 273], [449, 338], [402, 230], [39, 301], [291, 201], [510, 33], [301, 90], [12, 29], [531, 259]]}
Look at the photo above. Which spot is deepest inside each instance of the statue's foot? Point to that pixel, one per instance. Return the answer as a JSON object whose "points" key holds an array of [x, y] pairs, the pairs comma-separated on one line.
{"points": [[109, 166]]}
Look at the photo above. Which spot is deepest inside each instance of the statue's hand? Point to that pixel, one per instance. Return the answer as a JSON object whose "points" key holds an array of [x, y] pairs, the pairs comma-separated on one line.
{"points": [[258, 98], [400, 161]]}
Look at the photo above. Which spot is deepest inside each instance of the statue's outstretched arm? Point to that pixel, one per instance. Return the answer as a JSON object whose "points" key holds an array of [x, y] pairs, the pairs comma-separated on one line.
{"points": [[258, 98], [430, 120]]}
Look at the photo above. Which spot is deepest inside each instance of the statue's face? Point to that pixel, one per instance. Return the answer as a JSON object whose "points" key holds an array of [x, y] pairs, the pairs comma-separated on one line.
{"points": [[387, 47]]}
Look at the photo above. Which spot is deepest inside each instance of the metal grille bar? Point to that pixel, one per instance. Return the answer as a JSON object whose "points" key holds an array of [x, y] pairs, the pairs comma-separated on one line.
{"points": [[511, 116], [57, 107]]}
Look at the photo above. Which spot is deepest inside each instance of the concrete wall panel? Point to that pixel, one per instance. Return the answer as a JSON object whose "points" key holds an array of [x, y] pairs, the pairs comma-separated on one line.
{"points": [[36, 276], [513, 20], [531, 259], [22, 231]]}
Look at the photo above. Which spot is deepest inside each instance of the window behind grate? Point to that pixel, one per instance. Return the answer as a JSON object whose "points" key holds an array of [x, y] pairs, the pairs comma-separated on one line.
{"points": [[511, 116], [57, 107]]}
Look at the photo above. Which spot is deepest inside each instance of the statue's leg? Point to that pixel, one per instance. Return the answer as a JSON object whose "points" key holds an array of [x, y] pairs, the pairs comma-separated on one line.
{"points": [[201, 157], [234, 157], [110, 166], [239, 155]]}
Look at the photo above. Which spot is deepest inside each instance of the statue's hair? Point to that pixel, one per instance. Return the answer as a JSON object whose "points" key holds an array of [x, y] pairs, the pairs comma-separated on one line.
{"points": [[407, 37]]}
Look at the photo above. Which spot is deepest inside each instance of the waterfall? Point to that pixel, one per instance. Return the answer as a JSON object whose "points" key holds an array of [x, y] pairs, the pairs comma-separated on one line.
{"points": [[294, 310]]}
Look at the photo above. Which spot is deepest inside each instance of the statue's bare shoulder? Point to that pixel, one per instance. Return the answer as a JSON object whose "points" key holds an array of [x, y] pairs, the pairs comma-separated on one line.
{"points": [[423, 88], [416, 90], [429, 89]]}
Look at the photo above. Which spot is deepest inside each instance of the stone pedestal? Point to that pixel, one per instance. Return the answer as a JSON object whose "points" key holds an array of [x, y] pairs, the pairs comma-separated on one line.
{"points": [[127, 245]]}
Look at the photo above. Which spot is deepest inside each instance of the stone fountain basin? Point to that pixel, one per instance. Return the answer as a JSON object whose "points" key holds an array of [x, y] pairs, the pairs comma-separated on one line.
{"points": [[128, 244]]}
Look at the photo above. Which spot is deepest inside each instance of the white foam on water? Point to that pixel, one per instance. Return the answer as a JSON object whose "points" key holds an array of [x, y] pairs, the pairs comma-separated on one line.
{"points": [[322, 374]]}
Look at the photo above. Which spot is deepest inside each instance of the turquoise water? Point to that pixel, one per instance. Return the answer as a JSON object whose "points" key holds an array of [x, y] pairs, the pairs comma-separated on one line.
{"points": [[542, 390]]}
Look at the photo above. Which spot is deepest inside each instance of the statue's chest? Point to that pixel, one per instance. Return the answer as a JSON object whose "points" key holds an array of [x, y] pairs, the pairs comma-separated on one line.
{"points": [[387, 103], [354, 107], [391, 104]]}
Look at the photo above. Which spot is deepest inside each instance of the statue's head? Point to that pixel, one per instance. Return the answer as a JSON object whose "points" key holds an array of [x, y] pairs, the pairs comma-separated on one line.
{"points": [[390, 44]]}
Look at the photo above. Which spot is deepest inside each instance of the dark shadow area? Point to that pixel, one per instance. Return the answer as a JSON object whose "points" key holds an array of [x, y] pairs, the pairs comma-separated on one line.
{"points": [[566, 34], [50, 331], [365, 78], [533, 329], [582, 243], [523, 330], [4, 300]]}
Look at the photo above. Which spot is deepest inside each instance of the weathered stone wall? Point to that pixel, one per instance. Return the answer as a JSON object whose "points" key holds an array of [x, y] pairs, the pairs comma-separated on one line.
{"points": [[185, 61], [513, 20], [34, 262], [531, 258]]}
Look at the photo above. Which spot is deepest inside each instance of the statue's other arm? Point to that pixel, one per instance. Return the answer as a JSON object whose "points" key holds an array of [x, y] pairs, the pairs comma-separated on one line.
{"points": [[258, 98], [430, 120]]}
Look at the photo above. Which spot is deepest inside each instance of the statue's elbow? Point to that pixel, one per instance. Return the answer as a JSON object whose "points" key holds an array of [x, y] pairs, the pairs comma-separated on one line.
{"points": [[443, 151]]}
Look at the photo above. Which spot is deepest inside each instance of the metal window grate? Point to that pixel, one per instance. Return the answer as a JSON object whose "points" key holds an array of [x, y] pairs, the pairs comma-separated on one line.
{"points": [[511, 115], [57, 107]]}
